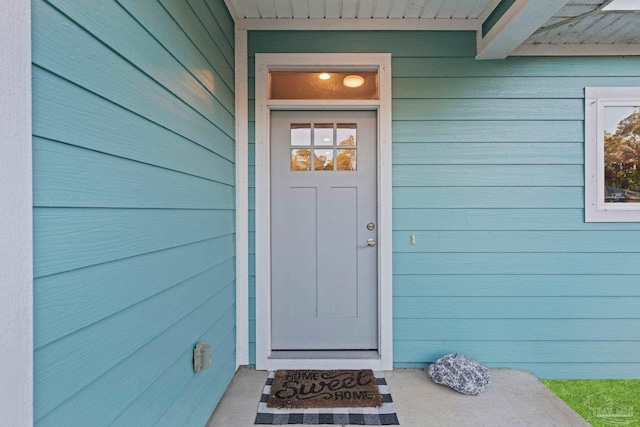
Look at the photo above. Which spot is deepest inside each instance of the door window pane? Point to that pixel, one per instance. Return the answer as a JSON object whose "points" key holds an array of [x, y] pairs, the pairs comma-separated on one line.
{"points": [[301, 134], [346, 134], [346, 159], [300, 159], [323, 159], [323, 134], [622, 154]]}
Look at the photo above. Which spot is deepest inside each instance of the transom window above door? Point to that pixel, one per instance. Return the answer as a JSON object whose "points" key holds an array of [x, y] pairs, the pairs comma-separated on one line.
{"points": [[342, 85], [324, 147]]}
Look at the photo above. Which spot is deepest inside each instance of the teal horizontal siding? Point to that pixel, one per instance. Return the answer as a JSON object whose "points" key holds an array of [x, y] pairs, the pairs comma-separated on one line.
{"points": [[222, 19], [75, 177], [495, 88], [488, 175], [512, 285], [526, 351], [516, 330], [134, 218], [488, 109], [169, 385], [523, 131], [491, 153], [516, 263], [195, 30], [604, 66], [509, 218], [74, 238], [488, 197], [422, 43], [222, 38], [110, 129], [189, 404], [109, 23], [58, 380], [105, 289], [171, 345], [511, 308], [517, 241], [107, 74]]}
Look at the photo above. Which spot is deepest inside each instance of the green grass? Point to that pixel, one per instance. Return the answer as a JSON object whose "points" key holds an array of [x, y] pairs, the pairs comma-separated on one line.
{"points": [[586, 396]]}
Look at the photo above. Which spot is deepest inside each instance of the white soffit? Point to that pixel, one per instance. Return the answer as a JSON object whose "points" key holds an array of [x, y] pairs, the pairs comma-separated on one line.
{"points": [[585, 27], [447, 15], [622, 5], [528, 28], [360, 9]]}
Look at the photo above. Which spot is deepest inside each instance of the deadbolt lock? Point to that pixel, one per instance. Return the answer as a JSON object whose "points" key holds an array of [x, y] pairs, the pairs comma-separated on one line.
{"points": [[371, 226]]}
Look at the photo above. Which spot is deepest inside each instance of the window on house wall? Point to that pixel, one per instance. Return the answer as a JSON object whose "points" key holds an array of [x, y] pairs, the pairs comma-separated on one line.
{"points": [[612, 154]]}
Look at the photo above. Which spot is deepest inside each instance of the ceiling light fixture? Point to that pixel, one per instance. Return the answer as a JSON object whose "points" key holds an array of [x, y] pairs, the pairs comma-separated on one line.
{"points": [[324, 76], [353, 81], [621, 5]]}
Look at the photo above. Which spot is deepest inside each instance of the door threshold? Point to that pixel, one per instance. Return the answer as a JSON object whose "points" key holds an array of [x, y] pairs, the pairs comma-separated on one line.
{"points": [[327, 359], [324, 354]]}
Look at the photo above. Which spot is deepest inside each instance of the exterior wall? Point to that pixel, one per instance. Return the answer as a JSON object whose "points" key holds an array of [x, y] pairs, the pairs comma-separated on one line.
{"points": [[133, 143], [488, 174]]}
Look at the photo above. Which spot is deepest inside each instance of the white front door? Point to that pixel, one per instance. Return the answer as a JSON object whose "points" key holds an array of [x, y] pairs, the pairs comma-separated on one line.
{"points": [[323, 230]]}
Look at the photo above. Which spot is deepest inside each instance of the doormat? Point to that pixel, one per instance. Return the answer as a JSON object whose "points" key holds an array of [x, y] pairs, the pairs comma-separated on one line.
{"points": [[324, 389], [361, 415]]}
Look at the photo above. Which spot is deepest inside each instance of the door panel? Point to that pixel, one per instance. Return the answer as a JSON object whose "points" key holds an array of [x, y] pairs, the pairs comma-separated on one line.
{"points": [[323, 195]]}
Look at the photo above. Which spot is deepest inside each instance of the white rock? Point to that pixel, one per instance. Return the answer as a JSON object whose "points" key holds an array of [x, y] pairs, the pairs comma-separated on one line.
{"points": [[461, 373]]}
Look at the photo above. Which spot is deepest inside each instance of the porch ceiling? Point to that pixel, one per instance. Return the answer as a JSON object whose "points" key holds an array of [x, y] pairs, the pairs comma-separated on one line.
{"points": [[560, 27], [584, 22], [361, 9]]}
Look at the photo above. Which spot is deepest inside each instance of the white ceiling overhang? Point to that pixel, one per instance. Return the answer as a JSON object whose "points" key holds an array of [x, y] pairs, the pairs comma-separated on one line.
{"points": [[517, 27]]}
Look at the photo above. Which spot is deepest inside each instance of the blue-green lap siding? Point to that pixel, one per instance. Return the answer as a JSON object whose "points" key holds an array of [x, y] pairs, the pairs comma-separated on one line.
{"points": [[488, 174], [134, 217]]}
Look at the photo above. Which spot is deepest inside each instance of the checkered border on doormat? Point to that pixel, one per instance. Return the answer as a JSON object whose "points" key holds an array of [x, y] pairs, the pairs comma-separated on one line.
{"points": [[382, 416]]}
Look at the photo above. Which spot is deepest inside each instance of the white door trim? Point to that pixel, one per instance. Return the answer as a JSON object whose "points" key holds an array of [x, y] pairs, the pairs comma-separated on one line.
{"points": [[264, 63], [16, 214], [242, 198]]}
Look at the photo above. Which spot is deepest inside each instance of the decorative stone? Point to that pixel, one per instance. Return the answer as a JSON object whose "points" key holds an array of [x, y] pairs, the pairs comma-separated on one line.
{"points": [[461, 373]]}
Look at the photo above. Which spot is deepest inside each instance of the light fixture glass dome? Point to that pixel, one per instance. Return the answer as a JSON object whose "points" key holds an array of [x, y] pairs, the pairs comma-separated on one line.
{"points": [[353, 81]]}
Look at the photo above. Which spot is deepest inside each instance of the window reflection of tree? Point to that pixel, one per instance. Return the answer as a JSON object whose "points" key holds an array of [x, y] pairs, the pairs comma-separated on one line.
{"points": [[622, 156], [323, 162], [300, 160], [346, 160], [349, 141]]}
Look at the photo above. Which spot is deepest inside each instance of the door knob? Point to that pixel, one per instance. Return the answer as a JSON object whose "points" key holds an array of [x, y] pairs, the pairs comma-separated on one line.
{"points": [[370, 242]]}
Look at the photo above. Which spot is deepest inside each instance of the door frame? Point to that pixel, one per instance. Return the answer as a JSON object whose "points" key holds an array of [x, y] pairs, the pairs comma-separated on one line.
{"points": [[381, 62]]}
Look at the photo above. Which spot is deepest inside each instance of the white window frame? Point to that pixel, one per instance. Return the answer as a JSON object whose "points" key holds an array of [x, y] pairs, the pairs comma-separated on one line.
{"points": [[596, 209], [383, 360]]}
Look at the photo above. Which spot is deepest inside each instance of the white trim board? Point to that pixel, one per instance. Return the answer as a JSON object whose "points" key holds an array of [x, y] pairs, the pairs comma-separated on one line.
{"points": [[521, 20], [16, 213], [242, 198], [232, 10], [265, 62], [597, 209]]}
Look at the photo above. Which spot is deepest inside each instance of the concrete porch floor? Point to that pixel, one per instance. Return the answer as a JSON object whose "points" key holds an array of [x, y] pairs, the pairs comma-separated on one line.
{"points": [[514, 398]]}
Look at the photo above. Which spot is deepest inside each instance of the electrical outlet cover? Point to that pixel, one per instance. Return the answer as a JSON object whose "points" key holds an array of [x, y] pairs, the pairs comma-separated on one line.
{"points": [[201, 356]]}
